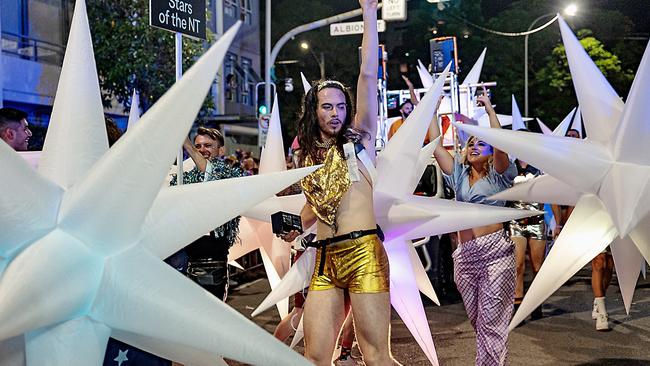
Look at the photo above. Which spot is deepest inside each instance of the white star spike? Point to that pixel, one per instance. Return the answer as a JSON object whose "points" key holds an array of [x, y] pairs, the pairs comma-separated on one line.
{"points": [[405, 296], [517, 120], [544, 188], [272, 156], [305, 83], [257, 232], [474, 75], [600, 104], [198, 202], [425, 77], [566, 123], [601, 166], [296, 279], [107, 282], [542, 126], [134, 112], [78, 97], [588, 225]]}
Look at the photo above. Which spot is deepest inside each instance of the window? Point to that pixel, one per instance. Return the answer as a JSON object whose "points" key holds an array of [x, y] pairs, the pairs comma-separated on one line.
{"points": [[232, 85], [246, 11], [35, 29], [247, 84], [230, 8]]}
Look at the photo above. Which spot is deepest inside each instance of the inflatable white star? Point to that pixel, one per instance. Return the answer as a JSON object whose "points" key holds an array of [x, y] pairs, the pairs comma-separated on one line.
{"points": [[610, 170], [83, 238]]}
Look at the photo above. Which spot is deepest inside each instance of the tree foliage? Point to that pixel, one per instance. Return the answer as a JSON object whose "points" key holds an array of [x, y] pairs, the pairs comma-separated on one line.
{"points": [[553, 82], [130, 54], [409, 41]]}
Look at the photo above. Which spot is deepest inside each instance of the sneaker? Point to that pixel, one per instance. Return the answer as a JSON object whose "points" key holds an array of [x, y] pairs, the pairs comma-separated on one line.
{"points": [[594, 312], [602, 323]]}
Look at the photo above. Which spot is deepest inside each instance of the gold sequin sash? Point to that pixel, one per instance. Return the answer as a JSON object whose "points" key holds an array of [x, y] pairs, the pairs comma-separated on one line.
{"points": [[325, 187]]}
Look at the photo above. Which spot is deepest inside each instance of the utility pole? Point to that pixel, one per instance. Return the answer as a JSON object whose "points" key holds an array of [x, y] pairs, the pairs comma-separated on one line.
{"points": [[220, 88], [268, 63]]}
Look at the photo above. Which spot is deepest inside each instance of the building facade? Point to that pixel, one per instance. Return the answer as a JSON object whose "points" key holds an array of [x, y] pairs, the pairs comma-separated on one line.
{"points": [[34, 34]]}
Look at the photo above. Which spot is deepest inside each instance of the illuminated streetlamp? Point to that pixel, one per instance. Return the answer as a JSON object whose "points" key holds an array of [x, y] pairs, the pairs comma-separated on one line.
{"points": [[570, 11], [320, 61]]}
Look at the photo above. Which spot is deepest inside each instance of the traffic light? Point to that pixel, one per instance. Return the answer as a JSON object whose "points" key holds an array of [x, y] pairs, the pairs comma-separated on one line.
{"points": [[263, 107]]}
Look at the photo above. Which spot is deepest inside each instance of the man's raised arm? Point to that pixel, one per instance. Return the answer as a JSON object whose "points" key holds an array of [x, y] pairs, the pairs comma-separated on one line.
{"points": [[367, 106]]}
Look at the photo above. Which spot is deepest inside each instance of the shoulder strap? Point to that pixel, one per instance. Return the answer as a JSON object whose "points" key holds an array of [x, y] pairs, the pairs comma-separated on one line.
{"points": [[363, 156]]}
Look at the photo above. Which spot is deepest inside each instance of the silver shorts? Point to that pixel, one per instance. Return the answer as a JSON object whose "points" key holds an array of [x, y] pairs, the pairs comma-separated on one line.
{"points": [[534, 231]]}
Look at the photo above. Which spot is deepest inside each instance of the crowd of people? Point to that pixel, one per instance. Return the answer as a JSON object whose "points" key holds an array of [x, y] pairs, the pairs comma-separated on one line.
{"points": [[348, 296]]}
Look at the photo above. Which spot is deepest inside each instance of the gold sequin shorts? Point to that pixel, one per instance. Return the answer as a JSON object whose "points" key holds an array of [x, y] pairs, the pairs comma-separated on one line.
{"points": [[358, 265]]}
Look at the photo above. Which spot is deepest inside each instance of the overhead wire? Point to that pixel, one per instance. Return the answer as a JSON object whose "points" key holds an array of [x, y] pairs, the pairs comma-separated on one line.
{"points": [[506, 34]]}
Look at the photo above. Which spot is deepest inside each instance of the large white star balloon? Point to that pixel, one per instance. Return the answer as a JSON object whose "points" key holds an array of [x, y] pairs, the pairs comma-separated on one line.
{"points": [[255, 231], [610, 169], [83, 238], [404, 217]]}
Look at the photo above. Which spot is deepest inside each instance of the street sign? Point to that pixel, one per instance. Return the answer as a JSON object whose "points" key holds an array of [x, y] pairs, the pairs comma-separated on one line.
{"points": [[393, 10], [344, 29], [182, 16], [263, 126]]}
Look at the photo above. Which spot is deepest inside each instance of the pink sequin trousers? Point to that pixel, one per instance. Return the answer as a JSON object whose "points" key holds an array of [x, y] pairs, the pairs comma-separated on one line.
{"points": [[484, 271]]}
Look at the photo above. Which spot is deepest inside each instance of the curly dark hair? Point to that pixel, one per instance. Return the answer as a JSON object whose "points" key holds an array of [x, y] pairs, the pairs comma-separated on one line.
{"points": [[308, 128]]}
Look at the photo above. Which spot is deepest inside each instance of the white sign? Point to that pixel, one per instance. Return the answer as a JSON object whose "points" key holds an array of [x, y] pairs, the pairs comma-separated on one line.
{"points": [[343, 29], [263, 124], [393, 10]]}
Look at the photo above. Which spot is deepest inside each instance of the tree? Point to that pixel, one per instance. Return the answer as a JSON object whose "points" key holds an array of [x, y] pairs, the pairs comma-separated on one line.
{"points": [[554, 84], [130, 54]]}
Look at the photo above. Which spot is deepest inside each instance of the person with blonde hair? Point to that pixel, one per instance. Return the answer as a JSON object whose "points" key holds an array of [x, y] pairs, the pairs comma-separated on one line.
{"points": [[484, 262]]}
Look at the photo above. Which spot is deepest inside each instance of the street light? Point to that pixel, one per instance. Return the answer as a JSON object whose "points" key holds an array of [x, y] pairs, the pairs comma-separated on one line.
{"points": [[320, 61], [570, 10]]}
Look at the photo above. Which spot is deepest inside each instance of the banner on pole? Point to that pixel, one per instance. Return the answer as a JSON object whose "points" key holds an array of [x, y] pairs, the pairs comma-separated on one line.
{"points": [[185, 17]]}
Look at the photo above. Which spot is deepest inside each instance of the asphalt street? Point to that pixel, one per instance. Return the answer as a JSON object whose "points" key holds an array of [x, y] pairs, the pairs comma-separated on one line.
{"points": [[565, 336]]}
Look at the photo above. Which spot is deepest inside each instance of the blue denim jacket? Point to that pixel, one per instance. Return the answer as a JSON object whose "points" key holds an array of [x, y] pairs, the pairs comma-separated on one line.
{"points": [[492, 183]]}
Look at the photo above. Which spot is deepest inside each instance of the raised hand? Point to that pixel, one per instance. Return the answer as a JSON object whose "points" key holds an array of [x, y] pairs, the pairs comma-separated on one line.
{"points": [[368, 4]]}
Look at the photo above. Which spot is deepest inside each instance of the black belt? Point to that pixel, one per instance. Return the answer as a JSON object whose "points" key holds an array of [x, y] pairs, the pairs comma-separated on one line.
{"points": [[322, 244]]}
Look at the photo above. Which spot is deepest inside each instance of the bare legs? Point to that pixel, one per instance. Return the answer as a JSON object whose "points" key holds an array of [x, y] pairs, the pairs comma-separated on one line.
{"points": [[288, 325], [537, 251], [324, 316], [601, 274], [372, 325]]}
